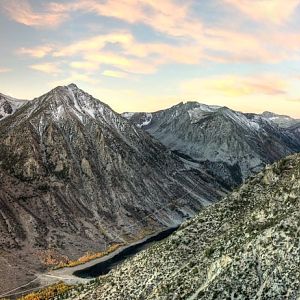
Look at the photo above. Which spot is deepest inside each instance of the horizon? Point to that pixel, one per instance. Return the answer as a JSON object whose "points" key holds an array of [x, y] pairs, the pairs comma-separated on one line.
{"points": [[132, 53]]}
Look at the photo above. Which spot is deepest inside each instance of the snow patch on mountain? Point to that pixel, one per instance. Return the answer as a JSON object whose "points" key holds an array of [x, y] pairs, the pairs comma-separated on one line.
{"points": [[8, 105], [281, 120], [147, 120], [128, 115]]}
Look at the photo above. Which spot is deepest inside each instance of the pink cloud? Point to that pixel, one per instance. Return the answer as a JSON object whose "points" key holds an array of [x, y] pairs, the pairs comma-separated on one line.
{"points": [[238, 86], [114, 73], [163, 16], [275, 11], [4, 70], [49, 68], [37, 52], [195, 42], [22, 12]]}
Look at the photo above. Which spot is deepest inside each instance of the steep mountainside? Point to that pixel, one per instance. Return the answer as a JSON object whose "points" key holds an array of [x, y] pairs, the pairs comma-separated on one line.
{"points": [[9, 105], [76, 176], [219, 135], [243, 247], [295, 129]]}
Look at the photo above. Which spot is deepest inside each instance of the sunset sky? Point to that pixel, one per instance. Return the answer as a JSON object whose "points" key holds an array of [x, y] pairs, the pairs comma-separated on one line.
{"points": [[144, 55]]}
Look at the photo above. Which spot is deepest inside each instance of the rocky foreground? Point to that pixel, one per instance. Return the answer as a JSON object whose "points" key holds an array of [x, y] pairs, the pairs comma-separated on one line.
{"points": [[244, 247]]}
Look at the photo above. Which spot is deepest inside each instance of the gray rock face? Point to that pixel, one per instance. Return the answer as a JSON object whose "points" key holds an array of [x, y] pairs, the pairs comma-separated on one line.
{"points": [[75, 176], [219, 135], [9, 105], [243, 247]]}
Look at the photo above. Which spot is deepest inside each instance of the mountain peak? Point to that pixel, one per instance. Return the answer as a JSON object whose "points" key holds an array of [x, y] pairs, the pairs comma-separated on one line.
{"points": [[72, 86], [268, 114], [8, 105]]}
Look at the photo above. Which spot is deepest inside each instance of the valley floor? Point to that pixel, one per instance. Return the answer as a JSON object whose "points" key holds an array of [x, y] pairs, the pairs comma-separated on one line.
{"points": [[66, 274]]}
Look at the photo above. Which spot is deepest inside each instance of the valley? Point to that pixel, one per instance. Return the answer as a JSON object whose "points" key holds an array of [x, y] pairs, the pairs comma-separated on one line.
{"points": [[150, 150], [244, 246], [76, 177], [84, 190]]}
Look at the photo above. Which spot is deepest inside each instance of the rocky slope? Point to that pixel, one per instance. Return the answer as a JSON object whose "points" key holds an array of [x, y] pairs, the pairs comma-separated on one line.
{"points": [[243, 247], [219, 135], [9, 105], [295, 129], [75, 176]]}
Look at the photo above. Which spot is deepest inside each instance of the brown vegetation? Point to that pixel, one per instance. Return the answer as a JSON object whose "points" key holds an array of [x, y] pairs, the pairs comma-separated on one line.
{"points": [[48, 293]]}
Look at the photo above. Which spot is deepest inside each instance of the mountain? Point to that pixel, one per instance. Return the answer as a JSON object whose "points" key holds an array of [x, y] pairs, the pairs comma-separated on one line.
{"points": [[243, 247], [9, 105], [77, 177], [295, 129], [218, 135], [281, 120]]}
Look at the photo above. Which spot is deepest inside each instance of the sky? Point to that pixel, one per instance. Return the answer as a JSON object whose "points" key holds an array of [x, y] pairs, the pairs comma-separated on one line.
{"points": [[146, 55]]}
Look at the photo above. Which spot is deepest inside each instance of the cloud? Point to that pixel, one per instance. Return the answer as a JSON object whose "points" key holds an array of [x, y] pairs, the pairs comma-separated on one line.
{"points": [[162, 16], [114, 73], [144, 58], [37, 52], [4, 70], [122, 62], [49, 68], [236, 86], [22, 12], [297, 100], [76, 77], [85, 65], [192, 41], [94, 43], [251, 93], [275, 11], [132, 56]]}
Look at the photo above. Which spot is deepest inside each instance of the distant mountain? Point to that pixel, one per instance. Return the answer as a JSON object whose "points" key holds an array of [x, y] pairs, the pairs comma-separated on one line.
{"points": [[243, 247], [75, 176], [281, 120], [9, 105], [219, 135]]}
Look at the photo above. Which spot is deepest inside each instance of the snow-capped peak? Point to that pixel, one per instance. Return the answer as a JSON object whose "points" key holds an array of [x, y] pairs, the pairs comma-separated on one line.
{"points": [[8, 105]]}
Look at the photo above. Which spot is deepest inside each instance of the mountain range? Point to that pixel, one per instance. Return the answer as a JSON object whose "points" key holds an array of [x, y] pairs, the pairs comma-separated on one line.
{"points": [[282, 120], [77, 177], [222, 138]]}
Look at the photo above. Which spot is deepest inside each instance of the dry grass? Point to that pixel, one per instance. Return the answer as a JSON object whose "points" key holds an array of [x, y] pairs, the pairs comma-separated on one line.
{"points": [[89, 256], [48, 293]]}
